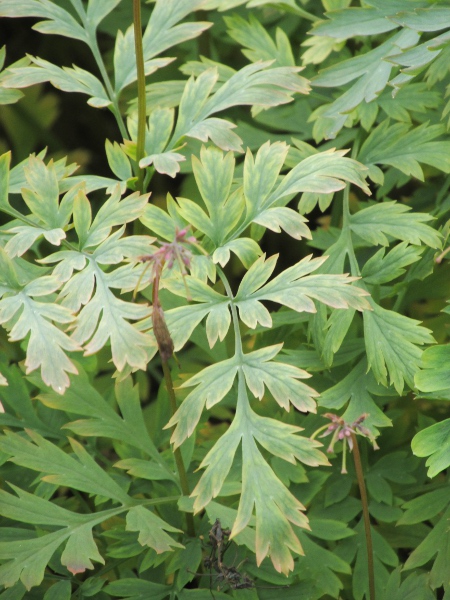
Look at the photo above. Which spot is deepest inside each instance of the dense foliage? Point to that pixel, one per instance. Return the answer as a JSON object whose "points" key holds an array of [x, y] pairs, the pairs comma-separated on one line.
{"points": [[275, 211]]}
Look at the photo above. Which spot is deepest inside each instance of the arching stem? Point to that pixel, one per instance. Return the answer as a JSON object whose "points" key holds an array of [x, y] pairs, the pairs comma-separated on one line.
{"points": [[140, 70], [366, 516]]}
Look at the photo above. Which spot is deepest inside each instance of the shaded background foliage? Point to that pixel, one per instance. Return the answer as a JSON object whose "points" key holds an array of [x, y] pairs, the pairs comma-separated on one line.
{"points": [[409, 511]]}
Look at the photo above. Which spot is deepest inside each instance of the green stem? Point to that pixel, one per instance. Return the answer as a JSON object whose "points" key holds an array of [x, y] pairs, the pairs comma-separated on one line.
{"points": [[354, 267], [93, 45], [17, 215], [111, 93], [177, 453], [140, 69], [366, 516], [399, 300], [237, 333], [316, 433]]}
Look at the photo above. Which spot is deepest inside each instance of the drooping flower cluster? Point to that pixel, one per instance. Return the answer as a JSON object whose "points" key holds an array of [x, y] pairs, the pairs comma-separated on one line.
{"points": [[167, 254], [343, 432]]}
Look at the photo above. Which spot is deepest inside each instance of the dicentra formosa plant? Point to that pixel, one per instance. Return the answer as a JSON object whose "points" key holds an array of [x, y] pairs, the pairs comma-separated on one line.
{"points": [[71, 258]]}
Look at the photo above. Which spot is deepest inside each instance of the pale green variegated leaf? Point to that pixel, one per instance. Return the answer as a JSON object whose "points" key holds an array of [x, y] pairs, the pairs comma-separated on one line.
{"points": [[403, 148], [195, 215], [252, 312], [393, 346], [18, 180], [91, 183], [162, 30], [214, 176], [217, 464], [115, 212], [275, 506], [257, 276], [284, 218], [281, 439], [372, 72], [319, 48], [219, 132], [347, 23], [40, 192], [422, 18], [97, 10], [24, 237], [286, 5], [125, 71], [104, 318], [58, 21], [157, 132], [195, 94], [203, 268], [198, 290], [324, 172], [78, 470], [67, 79], [116, 248], [261, 174], [358, 389], [152, 530], [258, 43], [297, 289], [257, 84], [158, 221], [197, 67], [166, 163], [396, 220], [8, 95], [28, 317], [280, 379], [218, 323], [212, 384], [163, 94], [381, 269], [416, 59], [183, 320], [246, 249], [118, 161]]}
